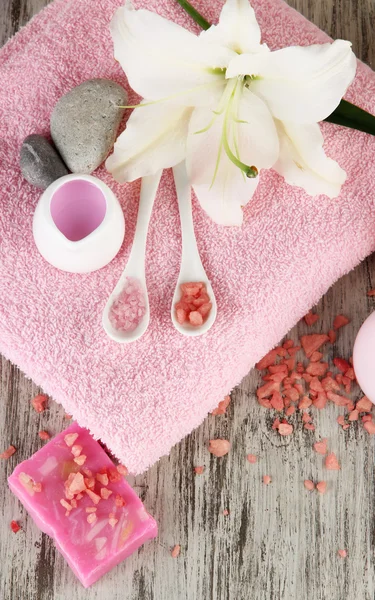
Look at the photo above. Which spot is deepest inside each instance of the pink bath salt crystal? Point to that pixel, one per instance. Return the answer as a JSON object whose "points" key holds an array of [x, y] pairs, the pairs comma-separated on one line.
{"points": [[341, 420], [225, 512], [39, 402], [44, 435], [309, 485], [309, 426], [91, 548], [366, 418], [222, 407], [340, 321], [321, 486], [105, 493], [89, 482], [175, 552], [205, 309], [15, 527], [331, 462], [80, 460], [122, 470], [195, 318], [315, 385], [288, 344], [192, 288], [8, 452], [181, 315], [277, 401], [316, 356], [66, 416], [219, 447], [114, 475], [199, 470], [76, 450], [292, 394], [353, 415], [290, 411], [364, 405], [321, 447], [91, 509], [320, 401], [332, 336], [70, 438], [306, 418], [102, 478], [276, 424], [369, 426], [330, 385], [91, 518], [129, 308], [267, 390], [338, 400], [285, 429], [305, 402], [79, 496], [266, 479], [342, 553], [251, 458]]}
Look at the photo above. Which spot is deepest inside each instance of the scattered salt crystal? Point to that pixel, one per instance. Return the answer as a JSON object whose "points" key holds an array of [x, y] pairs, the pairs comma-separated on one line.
{"points": [[128, 310], [175, 551], [342, 553], [321, 447], [222, 407], [311, 318], [331, 462], [309, 485], [285, 429], [8, 452], [15, 527], [340, 321], [44, 435], [199, 470], [369, 426], [251, 458], [364, 405], [225, 512], [39, 402], [266, 479], [219, 447], [321, 486], [309, 426]]}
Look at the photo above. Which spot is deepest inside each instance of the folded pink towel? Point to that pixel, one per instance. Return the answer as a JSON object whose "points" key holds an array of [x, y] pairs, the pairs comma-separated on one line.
{"points": [[142, 398]]}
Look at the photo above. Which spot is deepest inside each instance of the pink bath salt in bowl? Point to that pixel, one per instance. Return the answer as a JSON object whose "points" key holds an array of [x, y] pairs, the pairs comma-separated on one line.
{"points": [[129, 308], [194, 306]]}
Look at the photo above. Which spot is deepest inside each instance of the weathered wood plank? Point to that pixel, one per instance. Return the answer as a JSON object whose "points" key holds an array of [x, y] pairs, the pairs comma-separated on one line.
{"points": [[278, 542]]}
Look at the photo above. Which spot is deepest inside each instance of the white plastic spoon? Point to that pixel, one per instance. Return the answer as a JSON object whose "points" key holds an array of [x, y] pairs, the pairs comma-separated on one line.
{"points": [[135, 267], [191, 265]]}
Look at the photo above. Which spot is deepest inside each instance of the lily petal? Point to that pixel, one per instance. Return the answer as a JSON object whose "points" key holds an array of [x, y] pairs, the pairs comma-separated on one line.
{"points": [[238, 28], [154, 138], [305, 85], [303, 162], [221, 187], [163, 60]]}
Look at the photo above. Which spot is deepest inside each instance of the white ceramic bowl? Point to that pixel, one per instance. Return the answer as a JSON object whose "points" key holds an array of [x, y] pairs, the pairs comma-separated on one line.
{"points": [[78, 224]]}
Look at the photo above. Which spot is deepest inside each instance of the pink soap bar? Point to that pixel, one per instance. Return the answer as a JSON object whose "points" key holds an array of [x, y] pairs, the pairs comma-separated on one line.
{"points": [[75, 494]]}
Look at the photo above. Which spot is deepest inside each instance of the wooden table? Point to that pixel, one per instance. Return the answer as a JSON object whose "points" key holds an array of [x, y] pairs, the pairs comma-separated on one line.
{"points": [[278, 542]]}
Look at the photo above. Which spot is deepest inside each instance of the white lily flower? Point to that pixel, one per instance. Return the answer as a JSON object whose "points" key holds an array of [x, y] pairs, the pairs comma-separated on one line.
{"points": [[228, 105]]}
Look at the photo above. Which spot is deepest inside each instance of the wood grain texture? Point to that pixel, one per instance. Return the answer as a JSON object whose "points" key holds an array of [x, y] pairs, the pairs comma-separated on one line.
{"points": [[279, 542]]}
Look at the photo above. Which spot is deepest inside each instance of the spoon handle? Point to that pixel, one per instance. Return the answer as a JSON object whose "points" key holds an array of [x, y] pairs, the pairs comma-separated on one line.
{"points": [[190, 260], [149, 187]]}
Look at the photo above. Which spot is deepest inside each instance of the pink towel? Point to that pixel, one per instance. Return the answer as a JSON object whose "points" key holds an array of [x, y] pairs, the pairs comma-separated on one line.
{"points": [[142, 398]]}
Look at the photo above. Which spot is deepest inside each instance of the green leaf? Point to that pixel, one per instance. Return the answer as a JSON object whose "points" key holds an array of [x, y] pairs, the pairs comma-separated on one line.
{"points": [[346, 114], [194, 14], [349, 115]]}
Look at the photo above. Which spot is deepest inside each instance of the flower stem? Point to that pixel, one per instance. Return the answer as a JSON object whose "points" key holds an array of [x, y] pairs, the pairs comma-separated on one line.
{"points": [[194, 14], [346, 114]]}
